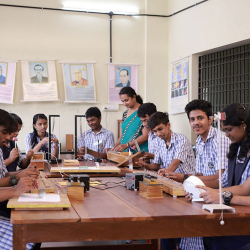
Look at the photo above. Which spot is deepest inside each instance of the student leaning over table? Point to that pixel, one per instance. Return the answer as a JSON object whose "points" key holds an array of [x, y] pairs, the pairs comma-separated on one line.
{"points": [[12, 156], [237, 129], [20, 181], [144, 113], [174, 150]]}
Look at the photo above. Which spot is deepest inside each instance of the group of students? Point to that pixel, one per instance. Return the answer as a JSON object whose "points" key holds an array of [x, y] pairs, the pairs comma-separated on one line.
{"points": [[167, 152], [171, 155]]}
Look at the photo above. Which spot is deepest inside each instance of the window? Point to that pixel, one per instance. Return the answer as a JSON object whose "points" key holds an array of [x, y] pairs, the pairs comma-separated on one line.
{"points": [[224, 77]]}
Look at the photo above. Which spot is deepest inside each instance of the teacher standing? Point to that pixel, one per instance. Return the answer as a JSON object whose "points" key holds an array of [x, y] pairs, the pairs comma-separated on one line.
{"points": [[132, 128]]}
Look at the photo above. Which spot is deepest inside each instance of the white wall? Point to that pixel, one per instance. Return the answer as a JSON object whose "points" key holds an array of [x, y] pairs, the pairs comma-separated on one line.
{"points": [[202, 29], [69, 36]]}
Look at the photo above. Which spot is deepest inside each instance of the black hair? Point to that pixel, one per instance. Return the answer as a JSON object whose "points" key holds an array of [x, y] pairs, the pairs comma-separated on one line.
{"points": [[17, 118], [124, 70], [93, 111], [157, 119], [7, 121], [198, 104], [35, 119], [146, 109], [131, 92], [236, 114]]}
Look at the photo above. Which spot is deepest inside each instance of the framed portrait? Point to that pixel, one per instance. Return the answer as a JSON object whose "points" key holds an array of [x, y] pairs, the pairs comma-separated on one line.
{"points": [[38, 72], [39, 80], [79, 75], [7, 81], [121, 75], [79, 82]]}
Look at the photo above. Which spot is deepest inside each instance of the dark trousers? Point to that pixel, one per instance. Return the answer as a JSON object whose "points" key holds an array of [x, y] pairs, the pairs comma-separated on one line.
{"points": [[170, 244], [227, 243]]}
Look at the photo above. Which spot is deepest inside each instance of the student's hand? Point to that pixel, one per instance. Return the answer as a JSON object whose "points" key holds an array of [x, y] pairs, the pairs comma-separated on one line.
{"points": [[210, 196], [187, 195], [54, 140], [148, 156], [175, 176], [82, 150], [29, 154], [24, 185], [162, 171], [44, 140], [140, 162], [121, 148], [30, 171], [13, 154]]}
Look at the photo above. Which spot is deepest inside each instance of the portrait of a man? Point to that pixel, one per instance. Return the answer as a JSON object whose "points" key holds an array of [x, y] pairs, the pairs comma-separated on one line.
{"points": [[78, 78], [2, 77], [123, 79], [39, 71]]}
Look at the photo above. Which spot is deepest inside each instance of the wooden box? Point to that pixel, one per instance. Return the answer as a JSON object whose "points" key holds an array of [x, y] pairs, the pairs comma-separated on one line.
{"points": [[76, 192], [69, 142], [38, 160], [150, 191], [170, 186]]}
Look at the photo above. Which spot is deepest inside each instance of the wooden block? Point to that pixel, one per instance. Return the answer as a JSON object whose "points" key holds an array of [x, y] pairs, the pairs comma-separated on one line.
{"points": [[38, 160], [64, 203], [170, 186], [44, 183], [69, 142], [39, 164], [71, 162], [76, 192], [38, 156], [150, 191], [117, 157], [130, 158]]}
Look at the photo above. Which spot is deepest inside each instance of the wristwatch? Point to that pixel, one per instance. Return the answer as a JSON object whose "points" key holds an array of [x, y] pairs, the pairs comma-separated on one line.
{"points": [[13, 180], [227, 196], [185, 177]]}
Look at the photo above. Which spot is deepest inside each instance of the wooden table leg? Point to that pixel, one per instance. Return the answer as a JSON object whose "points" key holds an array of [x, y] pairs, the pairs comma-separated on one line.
{"points": [[19, 237]]}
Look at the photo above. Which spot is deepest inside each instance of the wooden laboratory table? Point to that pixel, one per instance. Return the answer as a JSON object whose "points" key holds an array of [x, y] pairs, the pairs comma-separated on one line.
{"points": [[120, 214], [49, 174]]}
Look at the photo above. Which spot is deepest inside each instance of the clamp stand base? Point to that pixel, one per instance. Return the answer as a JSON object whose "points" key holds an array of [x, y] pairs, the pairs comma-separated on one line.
{"points": [[212, 207]]}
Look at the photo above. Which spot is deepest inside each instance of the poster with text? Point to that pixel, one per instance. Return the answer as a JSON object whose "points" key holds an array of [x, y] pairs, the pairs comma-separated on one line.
{"points": [[121, 75], [79, 82], [179, 86], [39, 80], [7, 81]]}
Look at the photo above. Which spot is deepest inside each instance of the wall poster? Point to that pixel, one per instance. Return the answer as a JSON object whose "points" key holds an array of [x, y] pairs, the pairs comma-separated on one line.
{"points": [[179, 86], [39, 80], [121, 75], [79, 82], [7, 81]]}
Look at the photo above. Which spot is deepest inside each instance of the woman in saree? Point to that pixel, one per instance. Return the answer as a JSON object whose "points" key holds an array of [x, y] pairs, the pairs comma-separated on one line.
{"points": [[132, 128]]}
